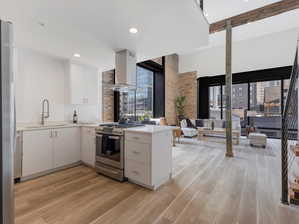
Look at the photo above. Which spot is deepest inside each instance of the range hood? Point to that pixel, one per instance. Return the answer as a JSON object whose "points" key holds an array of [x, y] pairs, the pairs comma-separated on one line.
{"points": [[125, 71]]}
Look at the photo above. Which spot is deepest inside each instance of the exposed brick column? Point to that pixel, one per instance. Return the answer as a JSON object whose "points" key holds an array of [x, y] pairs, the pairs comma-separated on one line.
{"points": [[187, 84], [171, 87], [108, 97], [176, 84]]}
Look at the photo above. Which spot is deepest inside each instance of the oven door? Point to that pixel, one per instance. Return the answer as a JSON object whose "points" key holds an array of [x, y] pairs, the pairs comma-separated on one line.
{"points": [[109, 150]]}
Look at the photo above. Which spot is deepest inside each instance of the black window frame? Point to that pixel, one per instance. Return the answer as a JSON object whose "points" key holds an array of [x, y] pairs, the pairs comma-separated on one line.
{"points": [[158, 89], [272, 74]]}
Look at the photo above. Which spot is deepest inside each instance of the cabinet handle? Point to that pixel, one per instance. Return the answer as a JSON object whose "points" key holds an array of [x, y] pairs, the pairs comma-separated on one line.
{"points": [[136, 138], [56, 133], [135, 152], [51, 134]]}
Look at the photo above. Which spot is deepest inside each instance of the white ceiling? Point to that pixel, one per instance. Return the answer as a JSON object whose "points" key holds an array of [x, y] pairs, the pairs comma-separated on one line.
{"points": [[216, 10], [96, 28], [275, 24], [282, 22]]}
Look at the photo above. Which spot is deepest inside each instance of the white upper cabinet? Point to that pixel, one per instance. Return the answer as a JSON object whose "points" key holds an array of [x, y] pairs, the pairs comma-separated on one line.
{"points": [[81, 84]]}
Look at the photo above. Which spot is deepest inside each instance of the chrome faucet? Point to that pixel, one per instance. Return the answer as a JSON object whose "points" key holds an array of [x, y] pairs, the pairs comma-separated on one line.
{"points": [[45, 114]]}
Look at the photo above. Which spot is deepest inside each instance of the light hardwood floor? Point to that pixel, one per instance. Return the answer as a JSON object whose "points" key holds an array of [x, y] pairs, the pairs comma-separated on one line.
{"points": [[207, 187]]}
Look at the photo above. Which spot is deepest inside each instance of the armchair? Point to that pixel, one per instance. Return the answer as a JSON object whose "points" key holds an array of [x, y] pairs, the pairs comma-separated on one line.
{"points": [[188, 132]]}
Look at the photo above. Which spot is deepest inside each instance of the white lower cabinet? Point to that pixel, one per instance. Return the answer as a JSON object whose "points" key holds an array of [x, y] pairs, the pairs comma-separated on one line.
{"points": [[44, 150], [37, 152], [88, 146], [138, 171], [66, 146], [148, 158]]}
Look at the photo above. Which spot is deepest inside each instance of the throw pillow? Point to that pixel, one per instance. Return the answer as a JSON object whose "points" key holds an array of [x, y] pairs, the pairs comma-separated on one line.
{"points": [[199, 123], [190, 124]]}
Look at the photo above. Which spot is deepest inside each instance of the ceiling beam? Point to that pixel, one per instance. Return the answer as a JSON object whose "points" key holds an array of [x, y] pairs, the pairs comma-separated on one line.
{"points": [[256, 14]]}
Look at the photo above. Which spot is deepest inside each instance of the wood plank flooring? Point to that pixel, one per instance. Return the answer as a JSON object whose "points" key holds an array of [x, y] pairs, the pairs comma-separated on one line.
{"points": [[206, 187]]}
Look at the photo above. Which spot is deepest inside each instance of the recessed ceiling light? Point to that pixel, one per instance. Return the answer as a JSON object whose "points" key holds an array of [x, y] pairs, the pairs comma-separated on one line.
{"points": [[133, 30], [77, 55], [246, 0]]}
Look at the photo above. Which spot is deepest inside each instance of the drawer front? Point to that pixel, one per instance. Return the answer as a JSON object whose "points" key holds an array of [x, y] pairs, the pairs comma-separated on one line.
{"points": [[137, 151], [137, 172], [138, 137]]}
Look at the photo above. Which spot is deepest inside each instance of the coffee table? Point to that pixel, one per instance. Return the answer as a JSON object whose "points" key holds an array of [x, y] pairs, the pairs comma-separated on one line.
{"points": [[217, 132]]}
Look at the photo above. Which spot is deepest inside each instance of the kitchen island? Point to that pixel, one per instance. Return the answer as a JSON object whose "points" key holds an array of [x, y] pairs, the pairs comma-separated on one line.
{"points": [[148, 155]]}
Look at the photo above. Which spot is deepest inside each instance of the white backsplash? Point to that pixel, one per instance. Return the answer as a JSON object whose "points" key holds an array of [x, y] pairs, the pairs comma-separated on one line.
{"points": [[39, 76], [86, 113]]}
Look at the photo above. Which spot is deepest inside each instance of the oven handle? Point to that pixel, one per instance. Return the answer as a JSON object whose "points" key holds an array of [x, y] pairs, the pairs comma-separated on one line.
{"points": [[110, 137], [114, 137]]}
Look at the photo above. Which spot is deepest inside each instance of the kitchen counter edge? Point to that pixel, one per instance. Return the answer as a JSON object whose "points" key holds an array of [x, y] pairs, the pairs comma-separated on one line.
{"points": [[24, 128], [150, 129]]}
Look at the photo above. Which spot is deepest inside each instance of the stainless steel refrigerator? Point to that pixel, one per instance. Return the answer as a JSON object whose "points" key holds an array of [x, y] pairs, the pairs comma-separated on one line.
{"points": [[7, 123]]}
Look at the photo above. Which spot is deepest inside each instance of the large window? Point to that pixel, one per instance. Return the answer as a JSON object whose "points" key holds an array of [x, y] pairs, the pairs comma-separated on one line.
{"points": [[265, 98], [265, 103], [240, 102], [215, 102], [286, 84], [139, 103], [144, 92], [258, 98], [127, 104], [258, 104]]}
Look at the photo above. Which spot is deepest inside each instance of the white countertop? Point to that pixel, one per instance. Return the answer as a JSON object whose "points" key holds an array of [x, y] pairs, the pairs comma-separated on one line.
{"points": [[151, 129], [53, 125]]}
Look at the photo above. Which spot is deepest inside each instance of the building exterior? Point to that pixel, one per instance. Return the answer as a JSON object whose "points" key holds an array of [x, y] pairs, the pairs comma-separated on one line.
{"points": [[140, 102]]}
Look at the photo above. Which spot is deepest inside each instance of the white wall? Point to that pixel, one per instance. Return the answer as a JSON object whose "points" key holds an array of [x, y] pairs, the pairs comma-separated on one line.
{"points": [[86, 113], [273, 50], [40, 76]]}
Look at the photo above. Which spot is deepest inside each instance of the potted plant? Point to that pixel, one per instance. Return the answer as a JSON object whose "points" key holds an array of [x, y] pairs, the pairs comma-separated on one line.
{"points": [[180, 103], [145, 117]]}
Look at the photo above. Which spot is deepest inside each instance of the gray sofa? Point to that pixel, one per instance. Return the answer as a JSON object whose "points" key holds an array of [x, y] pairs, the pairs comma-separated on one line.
{"points": [[219, 124]]}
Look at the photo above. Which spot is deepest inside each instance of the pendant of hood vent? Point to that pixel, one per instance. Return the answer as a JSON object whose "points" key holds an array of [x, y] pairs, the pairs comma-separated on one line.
{"points": [[125, 71]]}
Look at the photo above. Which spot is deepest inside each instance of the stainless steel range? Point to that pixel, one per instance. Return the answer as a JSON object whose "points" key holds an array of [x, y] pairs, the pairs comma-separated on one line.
{"points": [[110, 149]]}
